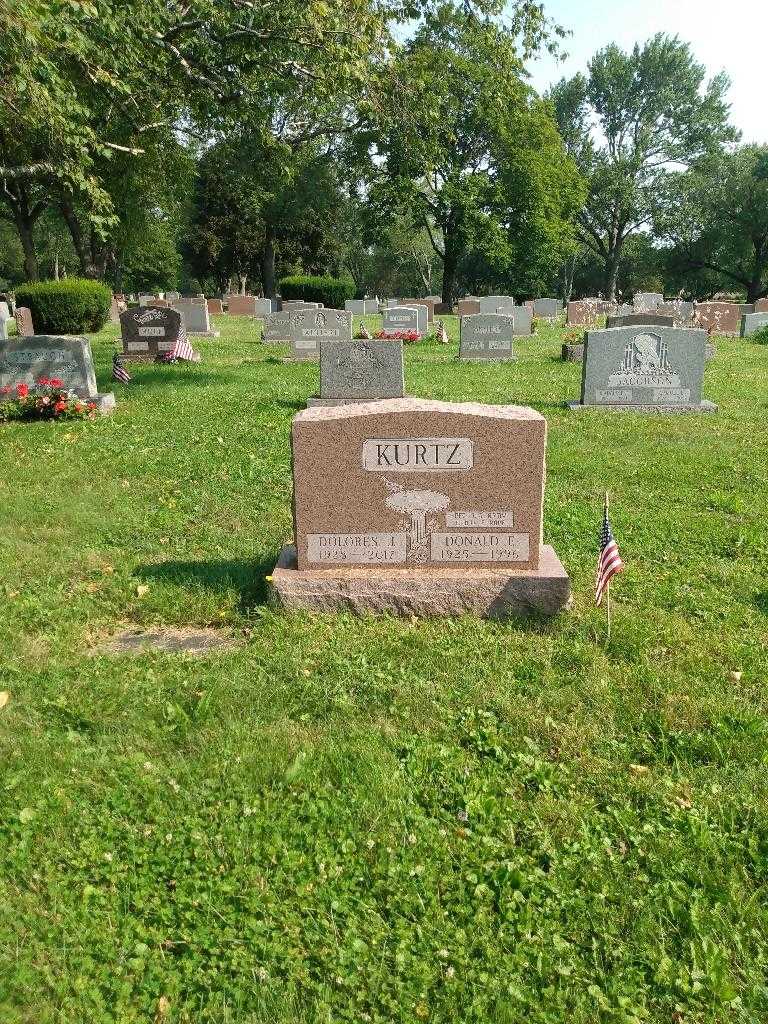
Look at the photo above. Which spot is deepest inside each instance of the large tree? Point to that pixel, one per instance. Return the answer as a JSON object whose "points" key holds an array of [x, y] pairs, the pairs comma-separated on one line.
{"points": [[716, 219], [473, 155], [628, 123]]}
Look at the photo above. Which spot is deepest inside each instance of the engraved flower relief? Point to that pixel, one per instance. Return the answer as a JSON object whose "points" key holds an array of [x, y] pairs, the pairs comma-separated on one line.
{"points": [[416, 504]]}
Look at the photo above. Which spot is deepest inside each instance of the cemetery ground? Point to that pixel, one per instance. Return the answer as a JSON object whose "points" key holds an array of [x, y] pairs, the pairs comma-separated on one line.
{"points": [[368, 819]]}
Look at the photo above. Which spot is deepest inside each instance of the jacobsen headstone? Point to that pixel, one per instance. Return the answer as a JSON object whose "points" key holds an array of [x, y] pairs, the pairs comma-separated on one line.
{"points": [[424, 507], [309, 328], [149, 333], [360, 371], [487, 336], [654, 369], [401, 318], [26, 360]]}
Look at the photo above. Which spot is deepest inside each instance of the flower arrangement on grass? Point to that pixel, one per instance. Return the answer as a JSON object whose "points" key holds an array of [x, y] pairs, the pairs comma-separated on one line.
{"points": [[409, 337], [47, 400]]}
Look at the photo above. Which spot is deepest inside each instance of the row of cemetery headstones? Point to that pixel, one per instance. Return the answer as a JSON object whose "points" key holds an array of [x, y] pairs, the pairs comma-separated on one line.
{"points": [[724, 318]]}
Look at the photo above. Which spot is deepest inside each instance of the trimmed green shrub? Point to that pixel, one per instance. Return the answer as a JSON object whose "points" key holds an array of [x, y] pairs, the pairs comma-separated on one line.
{"points": [[73, 306], [760, 336], [331, 291]]}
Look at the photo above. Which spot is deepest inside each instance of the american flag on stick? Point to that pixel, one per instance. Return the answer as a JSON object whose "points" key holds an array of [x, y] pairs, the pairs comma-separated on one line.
{"points": [[182, 348], [442, 334], [609, 560], [364, 333], [119, 371]]}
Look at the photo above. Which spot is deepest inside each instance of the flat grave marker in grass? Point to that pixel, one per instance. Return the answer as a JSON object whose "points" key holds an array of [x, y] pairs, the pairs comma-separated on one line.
{"points": [[415, 506]]}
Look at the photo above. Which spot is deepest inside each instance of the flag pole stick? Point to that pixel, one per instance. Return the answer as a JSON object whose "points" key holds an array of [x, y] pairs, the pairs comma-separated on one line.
{"points": [[608, 585]]}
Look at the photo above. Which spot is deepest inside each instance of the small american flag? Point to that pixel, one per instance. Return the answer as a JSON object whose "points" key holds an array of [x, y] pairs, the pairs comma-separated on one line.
{"points": [[442, 334], [119, 371], [609, 560], [364, 332], [182, 348]]}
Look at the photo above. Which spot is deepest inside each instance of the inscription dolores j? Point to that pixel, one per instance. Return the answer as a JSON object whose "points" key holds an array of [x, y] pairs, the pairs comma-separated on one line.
{"points": [[418, 454]]}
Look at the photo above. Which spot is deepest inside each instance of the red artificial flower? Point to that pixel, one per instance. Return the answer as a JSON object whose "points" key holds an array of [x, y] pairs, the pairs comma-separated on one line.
{"points": [[6, 389], [59, 407], [22, 390], [43, 382], [56, 383], [91, 405]]}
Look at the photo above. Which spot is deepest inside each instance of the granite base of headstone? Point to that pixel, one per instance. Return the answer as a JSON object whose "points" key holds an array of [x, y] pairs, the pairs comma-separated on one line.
{"points": [[361, 370], [644, 369], [26, 360], [416, 507]]}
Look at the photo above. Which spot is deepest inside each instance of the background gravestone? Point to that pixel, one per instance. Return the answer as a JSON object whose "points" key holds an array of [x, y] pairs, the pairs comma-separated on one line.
{"points": [[241, 305], [752, 322], [486, 336], [547, 309], [149, 333], [640, 320], [401, 318], [652, 368], [360, 371], [468, 306], [215, 307], [719, 317], [5, 316], [522, 317], [264, 306], [645, 302], [26, 360], [276, 327], [423, 507], [309, 328], [23, 318], [491, 303], [761, 306], [194, 313], [680, 310]]}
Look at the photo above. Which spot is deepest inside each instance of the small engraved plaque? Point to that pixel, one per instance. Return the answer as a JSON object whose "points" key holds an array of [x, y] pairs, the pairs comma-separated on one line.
{"points": [[418, 454], [138, 346], [357, 548], [616, 396], [165, 346], [480, 547], [151, 332], [661, 395], [474, 520]]}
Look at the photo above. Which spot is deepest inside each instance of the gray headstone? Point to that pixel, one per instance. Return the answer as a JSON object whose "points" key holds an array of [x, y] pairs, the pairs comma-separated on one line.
{"points": [[401, 318], [652, 367], [361, 370], [276, 327], [264, 306], [752, 322], [523, 319], [487, 336], [548, 309], [149, 333], [491, 303], [356, 306], [308, 328], [640, 320], [423, 315], [679, 309], [644, 302], [144, 299], [173, 296], [194, 313], [26, 360]]}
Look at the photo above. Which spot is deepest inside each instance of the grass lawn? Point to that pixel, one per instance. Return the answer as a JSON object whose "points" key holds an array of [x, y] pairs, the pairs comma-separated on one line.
{"points": [[366, 819]]}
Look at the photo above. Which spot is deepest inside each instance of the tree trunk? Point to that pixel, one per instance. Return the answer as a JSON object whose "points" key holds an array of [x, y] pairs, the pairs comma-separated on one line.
{"points": [[76, 233], [611, 274], [268, 268], [450, 266], [24, 226]]}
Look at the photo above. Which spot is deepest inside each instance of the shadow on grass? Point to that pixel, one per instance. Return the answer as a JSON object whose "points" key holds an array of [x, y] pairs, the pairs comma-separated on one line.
{"points": [[162, 376], [761, 601], [241, 574], [296, 403]]}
